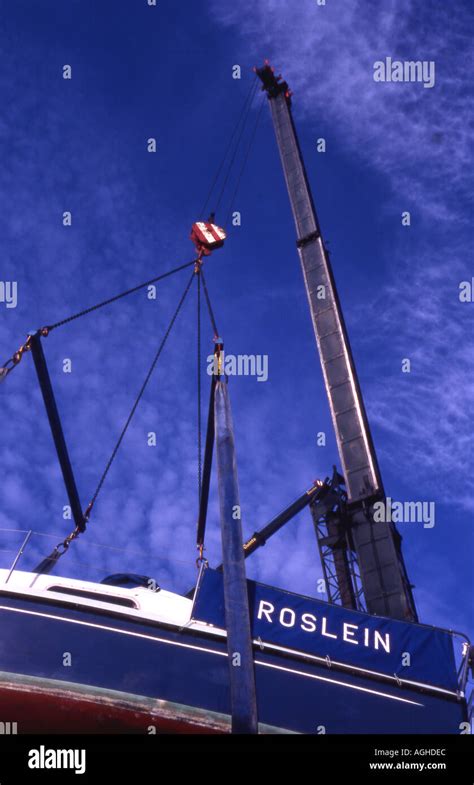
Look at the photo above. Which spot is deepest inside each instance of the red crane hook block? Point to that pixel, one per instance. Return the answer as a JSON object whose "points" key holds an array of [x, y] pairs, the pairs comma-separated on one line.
{"points": [[207, 237]]}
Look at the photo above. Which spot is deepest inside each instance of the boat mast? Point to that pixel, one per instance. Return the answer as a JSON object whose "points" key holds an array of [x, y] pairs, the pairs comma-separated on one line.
{"points": [[376, 544]]}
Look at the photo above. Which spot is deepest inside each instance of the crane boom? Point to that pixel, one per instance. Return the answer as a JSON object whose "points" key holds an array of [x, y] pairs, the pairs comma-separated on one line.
{"points": [[387, 590], [358, 459]]}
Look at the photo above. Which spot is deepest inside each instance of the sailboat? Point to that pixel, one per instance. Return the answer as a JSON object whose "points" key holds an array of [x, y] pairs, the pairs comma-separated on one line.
{"points": [[126, 655]]}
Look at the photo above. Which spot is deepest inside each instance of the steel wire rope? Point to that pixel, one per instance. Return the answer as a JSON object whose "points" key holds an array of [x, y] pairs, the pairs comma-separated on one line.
{"points": [[209, 306], [229, 146], [137, 400], [244, 162], [199, 423], [119, 296], [234, 154]]}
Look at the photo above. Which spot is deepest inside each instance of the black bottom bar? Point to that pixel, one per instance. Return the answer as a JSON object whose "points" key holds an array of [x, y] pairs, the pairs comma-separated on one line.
{"points": [[362, 758]]}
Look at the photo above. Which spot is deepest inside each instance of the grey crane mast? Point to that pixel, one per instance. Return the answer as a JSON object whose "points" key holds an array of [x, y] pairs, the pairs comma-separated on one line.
{"points": [[359, 554]]}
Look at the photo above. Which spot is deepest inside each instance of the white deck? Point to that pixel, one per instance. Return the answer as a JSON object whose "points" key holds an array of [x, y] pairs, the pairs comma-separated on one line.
{"points": [[160, 606]]}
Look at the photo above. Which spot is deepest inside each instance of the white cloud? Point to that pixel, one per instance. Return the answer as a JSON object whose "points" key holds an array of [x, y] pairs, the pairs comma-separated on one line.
{"points": [[418, 138], [424, 416]]}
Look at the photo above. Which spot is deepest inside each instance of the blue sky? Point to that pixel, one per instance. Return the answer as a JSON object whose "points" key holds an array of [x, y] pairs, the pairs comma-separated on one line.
{"points": [[80, 145]]}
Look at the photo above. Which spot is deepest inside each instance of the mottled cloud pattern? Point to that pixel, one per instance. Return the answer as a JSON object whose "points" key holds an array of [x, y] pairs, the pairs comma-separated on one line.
{"points": [[418, 138]]}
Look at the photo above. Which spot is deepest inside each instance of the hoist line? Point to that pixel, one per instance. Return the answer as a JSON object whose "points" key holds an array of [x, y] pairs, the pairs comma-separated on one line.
{"points": [[137, 400], [234, 154], [205, 467], [229, 146], [199, 423], [245, 161], [119, 296], [209, 306]]}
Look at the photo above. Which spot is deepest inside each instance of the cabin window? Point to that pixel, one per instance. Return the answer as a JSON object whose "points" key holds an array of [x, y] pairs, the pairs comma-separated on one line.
{"points": [[92, 595]]}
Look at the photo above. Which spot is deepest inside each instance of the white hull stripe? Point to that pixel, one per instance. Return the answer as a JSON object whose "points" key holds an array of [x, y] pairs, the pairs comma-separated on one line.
{"points": [[112, 629], [340, 683], [204, 649], [322, 660]]}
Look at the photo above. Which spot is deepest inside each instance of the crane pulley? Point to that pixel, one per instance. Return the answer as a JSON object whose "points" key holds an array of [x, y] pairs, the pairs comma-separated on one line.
{"points": [[207, 237]]}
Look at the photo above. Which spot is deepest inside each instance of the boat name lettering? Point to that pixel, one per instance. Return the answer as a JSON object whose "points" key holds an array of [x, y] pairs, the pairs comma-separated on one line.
{"points": [[349, 633]]}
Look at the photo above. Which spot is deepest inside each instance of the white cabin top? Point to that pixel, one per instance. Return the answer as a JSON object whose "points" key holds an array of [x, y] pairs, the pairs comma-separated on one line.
{"points": [[136, 602]]}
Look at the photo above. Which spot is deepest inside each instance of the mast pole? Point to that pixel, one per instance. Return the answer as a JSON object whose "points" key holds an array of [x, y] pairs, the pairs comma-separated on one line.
{"points": [[239, 636]]}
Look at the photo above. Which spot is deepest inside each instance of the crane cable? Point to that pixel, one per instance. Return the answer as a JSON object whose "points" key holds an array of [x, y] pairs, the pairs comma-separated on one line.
{"points": [[236, 148], [199, 423], [200, 276], [48, 563], [209, 306], [198, 272], [244, 162], [13, 361], [137, 400], [242, 117], [119, 296]]}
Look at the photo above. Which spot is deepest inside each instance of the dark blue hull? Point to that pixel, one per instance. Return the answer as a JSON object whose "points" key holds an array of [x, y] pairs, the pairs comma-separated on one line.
{"points": [[114, 652]]}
